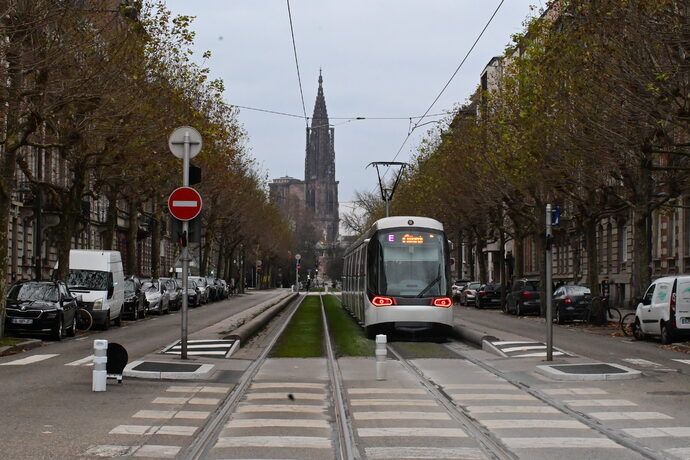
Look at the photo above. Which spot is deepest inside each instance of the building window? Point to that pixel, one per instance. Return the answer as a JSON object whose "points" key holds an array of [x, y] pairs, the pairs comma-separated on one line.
{"points": [[609, 247], [622, 243], [671, 235]]}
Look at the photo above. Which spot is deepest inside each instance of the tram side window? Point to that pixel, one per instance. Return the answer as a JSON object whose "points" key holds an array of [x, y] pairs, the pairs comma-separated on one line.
{"points": [[373, 260]]}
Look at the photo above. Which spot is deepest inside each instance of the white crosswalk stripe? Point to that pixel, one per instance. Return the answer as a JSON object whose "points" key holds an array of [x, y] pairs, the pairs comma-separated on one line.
{"points": [[660, 432], [88, 361], [29, 360]]}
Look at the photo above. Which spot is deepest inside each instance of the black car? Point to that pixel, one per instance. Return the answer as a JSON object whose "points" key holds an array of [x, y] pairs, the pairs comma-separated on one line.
{"points": [[135, 301], [46, 307], [523, 298], [193, 294], [488, 295], [572, 303]]}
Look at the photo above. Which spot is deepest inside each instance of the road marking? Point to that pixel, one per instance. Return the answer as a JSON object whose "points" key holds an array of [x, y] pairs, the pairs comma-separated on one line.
{"points": [[642, 362], [512, 409], [523, 348], [277, 422], [479, 386], [630, 416], [386, 391], [88, 361], [295, 442], [29, 360], [284, 385], [411, 431], [159, 414], [574, 391], [204, 401], [139, 430], [177, 430], [392, 402], [527, 423], [672, 431], [157, 451], [537, 355], [166, 400], [459, 453], [219, 390], [598, 402], [400, 415], [680, 452], [282, 395], [684, 361], [244, 408], [493, 397], [109, 451], [183, 389], [561, 442], [192, 414]]}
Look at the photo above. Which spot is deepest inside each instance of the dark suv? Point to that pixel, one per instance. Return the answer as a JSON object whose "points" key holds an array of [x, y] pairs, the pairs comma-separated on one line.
{"points": [[488, 295], [41, 307], [135, 302], [523, 298]]}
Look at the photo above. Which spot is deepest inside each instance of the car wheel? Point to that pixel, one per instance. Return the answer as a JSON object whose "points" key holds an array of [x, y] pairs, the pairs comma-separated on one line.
{"points": [[559, 318], [57, 331], [666, 335], [637, 330], [72, 331], [106, 323], [118, 320]]}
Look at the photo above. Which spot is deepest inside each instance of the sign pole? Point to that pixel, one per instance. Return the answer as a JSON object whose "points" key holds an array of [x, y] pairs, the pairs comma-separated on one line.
{"points": [[297, 258], [185, 254], [549, 276]]}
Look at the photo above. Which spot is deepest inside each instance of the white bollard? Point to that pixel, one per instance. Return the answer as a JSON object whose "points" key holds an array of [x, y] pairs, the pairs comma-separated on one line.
{"points": [[381, 354], [100, 358]]}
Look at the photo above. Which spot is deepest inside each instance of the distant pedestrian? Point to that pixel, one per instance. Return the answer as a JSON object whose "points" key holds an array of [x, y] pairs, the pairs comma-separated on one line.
{"points": [[308, 284]]}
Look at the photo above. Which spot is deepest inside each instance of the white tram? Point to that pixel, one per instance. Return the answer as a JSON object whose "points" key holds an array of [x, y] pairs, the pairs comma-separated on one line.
{"points": [[396, 275]]}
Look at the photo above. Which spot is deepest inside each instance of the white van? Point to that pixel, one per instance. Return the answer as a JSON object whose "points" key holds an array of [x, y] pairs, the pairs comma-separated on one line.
{"points": [[98, 277], [664, 311]]}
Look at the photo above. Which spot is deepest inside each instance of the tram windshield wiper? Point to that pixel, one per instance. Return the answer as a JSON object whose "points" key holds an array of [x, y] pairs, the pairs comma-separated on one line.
{"points": [[430, 285]]}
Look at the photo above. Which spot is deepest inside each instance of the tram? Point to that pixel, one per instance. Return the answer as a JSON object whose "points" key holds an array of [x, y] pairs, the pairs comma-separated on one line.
{"points": [[396, 276]]}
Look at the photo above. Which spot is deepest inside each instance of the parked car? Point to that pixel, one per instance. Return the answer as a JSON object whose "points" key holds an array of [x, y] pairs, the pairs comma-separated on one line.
{"points": [[41, 307], [174, 289], [212, 289], [193, 294], [203, 287], [468, 295], [135, 302], [523, 298], [664, 310], [456, 287], [572, 303], [157, 297], [488, 295], [223, 289], [99, 278]]}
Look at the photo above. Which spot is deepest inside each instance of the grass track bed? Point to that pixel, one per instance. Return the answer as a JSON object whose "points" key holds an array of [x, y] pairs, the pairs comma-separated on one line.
{"points": [[303, 337], [348, 336]]}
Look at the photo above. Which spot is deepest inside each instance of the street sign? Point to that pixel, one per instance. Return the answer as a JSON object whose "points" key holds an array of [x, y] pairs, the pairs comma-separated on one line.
{"points": [[176, 141], [184, 203], [298, 256], [556, 216]]}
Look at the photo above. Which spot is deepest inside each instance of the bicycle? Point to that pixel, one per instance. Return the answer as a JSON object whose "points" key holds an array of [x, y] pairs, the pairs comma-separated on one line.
{"points": [[630, 326], [84, 319], [612, 314]]}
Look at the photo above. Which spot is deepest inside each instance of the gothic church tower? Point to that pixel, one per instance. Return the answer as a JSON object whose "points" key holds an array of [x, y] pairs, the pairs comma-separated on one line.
{"points": [[321, 188]]}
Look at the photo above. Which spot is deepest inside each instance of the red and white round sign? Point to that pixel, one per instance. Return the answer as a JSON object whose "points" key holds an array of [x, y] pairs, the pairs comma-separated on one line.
{"points": [[184, 203]]}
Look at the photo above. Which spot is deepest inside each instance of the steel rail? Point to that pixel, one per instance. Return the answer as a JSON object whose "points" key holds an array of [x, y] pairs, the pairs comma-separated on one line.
{"points": [[202, 444], [610, 433], [345, 435], [488, 442]]}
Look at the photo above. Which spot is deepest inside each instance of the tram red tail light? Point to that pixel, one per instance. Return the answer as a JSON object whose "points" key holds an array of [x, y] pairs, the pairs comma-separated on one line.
{"points": [[380, 301], [442, 302]]}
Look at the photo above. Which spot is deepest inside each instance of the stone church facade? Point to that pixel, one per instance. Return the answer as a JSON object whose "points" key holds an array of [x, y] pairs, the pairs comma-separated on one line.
{"points": [[317, 194]]}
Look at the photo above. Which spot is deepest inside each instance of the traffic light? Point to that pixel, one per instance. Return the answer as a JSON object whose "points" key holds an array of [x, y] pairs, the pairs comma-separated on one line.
{"points": [[194, 234], [183, 239]]}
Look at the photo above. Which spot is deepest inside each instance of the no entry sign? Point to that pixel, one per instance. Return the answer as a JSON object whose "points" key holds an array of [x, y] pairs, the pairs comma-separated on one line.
{"points": [[184, 203]]}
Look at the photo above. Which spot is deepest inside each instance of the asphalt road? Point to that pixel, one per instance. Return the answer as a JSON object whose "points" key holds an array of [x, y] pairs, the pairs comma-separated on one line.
{"points": [[47, 408]]}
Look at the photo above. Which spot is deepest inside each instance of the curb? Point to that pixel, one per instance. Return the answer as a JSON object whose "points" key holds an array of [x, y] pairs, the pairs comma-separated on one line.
{"points": [[248, 329], [472, 336], [551, 372], [203, 372], [22, 346]]}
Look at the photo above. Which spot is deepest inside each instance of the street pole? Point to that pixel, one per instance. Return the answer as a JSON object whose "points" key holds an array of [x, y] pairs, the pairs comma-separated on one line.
{"points": [[185, 254], [297, 259], [549, 275], [388, 207]]}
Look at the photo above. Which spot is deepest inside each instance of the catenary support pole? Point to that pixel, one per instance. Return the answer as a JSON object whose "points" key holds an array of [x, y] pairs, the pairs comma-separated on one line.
{"points": [[549, 276], [185, 255]]}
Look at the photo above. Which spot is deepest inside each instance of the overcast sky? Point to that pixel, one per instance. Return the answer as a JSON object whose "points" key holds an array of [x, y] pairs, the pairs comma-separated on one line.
{"points": [[380, 58]]}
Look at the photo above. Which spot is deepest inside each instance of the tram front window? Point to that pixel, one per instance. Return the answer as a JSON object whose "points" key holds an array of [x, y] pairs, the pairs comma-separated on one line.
{"points": [[410, 263]]}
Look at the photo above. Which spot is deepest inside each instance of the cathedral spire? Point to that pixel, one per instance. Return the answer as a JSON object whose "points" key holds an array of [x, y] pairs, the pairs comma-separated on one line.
{"points": [[320, 117]]}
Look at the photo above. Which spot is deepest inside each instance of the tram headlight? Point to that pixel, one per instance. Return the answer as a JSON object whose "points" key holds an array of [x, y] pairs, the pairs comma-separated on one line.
{"points": [[381, 301], [442, 302]]}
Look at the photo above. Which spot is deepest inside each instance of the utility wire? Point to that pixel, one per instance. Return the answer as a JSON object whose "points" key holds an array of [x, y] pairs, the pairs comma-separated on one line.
{"points": [[417, 124], [299, 78], [357, 118]]}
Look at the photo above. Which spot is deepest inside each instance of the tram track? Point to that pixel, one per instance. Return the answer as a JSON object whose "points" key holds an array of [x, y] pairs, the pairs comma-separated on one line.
{"points": [[204, 441]]}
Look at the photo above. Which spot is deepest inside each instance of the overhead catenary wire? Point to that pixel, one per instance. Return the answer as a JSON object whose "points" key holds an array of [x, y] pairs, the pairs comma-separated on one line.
{"points": [[299, 77], [462, 62], [357, 118]]}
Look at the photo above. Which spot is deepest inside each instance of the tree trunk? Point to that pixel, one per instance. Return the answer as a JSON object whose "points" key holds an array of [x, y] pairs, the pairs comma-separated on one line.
{"points": [[481, 261], [219, 261], [518, 257], [132, 230], [502, 266], [641, 251], [108, 235], [155, 242], [70, 205], [590, 229], [242, 273]]}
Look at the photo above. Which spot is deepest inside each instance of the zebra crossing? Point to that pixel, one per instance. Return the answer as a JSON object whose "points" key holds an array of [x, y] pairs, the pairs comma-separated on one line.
{"points": [[521, 349], [213, 348], [279, 419]]}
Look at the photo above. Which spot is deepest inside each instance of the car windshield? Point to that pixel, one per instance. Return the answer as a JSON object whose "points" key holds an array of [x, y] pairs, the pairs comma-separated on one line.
{"points": [[473, 286], [34, 291], [150, 286], [578, 290], [88, 279], [408, 263]]}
